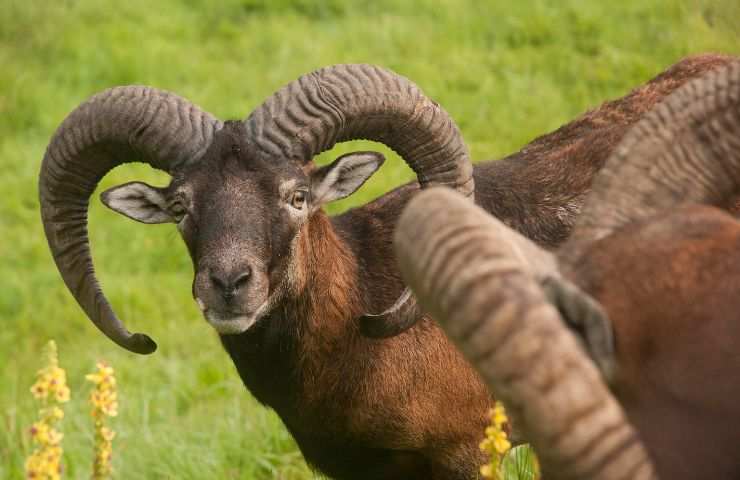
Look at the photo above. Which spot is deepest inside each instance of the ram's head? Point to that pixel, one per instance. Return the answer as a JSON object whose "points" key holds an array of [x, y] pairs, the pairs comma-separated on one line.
{"points": [[241, 191], [239, 215]]}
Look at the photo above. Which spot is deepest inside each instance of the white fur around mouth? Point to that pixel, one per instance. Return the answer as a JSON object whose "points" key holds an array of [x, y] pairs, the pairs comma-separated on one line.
{"points": [[231, 325]]}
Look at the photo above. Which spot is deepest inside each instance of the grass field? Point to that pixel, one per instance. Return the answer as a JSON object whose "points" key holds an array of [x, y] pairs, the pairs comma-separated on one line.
{"points": [[506, 71]]}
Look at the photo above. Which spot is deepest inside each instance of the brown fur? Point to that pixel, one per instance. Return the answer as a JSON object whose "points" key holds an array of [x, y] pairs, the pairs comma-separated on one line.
{"points": [[410, 406], [670, 288], [363, 408]]}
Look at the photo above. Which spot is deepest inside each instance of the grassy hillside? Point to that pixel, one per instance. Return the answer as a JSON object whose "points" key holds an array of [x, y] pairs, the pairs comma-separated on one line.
{"points": [[506, 71]]}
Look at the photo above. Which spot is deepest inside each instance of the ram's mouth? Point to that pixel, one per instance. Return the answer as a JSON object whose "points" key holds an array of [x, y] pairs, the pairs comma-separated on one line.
{"points": [[231, 323]]}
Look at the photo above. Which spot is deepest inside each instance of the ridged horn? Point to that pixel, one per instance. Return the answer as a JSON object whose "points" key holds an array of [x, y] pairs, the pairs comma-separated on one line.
{"points": [[119, 125], [687, 150], [468, 270], [349, 102]]}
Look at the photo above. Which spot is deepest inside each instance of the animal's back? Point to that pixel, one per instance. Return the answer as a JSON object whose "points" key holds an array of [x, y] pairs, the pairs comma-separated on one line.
{"points": [[670, 287]]}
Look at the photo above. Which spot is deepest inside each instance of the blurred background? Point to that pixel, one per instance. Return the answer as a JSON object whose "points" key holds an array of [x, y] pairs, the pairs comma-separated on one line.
{"points": [[506, 71]]}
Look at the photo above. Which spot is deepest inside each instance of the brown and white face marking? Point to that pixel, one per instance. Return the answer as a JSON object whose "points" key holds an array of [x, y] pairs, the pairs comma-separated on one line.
{"points": [[240, 216]]}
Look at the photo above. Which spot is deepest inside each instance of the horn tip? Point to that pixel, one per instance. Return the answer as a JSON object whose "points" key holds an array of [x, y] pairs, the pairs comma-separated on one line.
{"points": [[140, 343]]}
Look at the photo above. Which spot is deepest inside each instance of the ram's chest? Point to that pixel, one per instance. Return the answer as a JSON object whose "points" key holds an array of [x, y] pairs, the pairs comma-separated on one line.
{"points": [[332, 397], [341, 422], [300, 385]]}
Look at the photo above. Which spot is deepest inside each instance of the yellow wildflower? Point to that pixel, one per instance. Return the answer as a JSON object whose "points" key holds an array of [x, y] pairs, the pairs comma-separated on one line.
{"points": [[45, 462], [104, 401], [498, 415], [62, 394], [500, 443], [39, 390], [107, 434], [40, 432], [52, 412], [496, 443]]}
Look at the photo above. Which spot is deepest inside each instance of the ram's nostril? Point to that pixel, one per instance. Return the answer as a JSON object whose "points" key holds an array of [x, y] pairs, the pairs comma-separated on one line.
{"points": [[228, 285], [228, 294], [218, 283]]}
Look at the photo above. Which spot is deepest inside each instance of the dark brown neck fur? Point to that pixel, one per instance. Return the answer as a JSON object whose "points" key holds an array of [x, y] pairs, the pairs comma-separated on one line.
{"points": [[285, 356]]}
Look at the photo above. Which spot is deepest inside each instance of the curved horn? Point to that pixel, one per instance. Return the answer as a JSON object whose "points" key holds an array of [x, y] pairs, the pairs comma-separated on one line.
{"points": [[348, 102], [687, 150], [118, 125], [467, 269]]}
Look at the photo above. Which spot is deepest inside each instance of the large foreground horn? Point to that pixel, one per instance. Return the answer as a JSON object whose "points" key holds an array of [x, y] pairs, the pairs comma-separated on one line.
{"points": [[119, 125], [469, 270], [687, 150], [347, 102]]}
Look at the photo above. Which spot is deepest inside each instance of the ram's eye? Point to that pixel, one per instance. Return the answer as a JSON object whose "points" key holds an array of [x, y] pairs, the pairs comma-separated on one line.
{"points": [[178, 211], [298, 199]]}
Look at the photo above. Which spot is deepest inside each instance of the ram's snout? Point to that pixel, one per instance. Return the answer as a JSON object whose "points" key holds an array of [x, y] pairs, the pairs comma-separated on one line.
{"points": [[231, 294]]}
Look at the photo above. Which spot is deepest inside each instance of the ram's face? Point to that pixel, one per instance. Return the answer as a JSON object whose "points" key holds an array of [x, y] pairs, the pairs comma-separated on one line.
{"points": [[241, 216], [240, 222]]}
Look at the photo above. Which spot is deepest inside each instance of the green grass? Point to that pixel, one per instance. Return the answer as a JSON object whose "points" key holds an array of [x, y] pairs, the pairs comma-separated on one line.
{"points": [[506, 71]]}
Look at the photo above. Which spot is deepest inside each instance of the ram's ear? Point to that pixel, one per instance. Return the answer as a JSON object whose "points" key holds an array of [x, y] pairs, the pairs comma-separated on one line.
{"points": [[586, 318], [343, 176], [138, 201]]}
